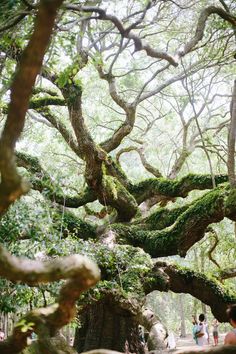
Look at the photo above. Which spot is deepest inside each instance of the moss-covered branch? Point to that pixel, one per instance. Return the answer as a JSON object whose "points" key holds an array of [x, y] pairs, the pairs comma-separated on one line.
{"points": [[62, 129], [166, 277], [46, 101], [161, 218], [113, 193], [188, 229], [36, 103], [42, 182], [72, 225], [173, 188]]}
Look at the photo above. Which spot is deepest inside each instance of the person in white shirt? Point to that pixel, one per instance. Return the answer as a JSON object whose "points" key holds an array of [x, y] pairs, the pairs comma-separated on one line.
{"points": [[202, 336], [2, 335]]}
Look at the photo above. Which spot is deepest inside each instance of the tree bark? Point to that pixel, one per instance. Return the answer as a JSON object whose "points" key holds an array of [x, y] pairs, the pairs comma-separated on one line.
{"points": [[106, 324]]}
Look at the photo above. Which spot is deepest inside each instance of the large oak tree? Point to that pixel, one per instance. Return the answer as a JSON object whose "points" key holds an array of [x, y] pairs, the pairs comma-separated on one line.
{"points": [[111, 79]]}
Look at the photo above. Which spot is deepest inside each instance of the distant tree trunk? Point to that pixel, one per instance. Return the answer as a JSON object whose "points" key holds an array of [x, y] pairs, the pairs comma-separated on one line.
{"points": [[195, 302], [107, 325], [204, 308], [202, 259], [231, 139], [182, 316]]}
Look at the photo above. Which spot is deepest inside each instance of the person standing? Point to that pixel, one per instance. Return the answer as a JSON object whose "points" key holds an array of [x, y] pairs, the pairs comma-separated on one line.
{"points": [[2, 335], [202, 337], [195, 328], [215, 325], [230, 337]]}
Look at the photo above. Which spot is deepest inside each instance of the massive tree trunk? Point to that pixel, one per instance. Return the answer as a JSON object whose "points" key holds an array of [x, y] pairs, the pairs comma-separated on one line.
{"points": [[110, 325]]}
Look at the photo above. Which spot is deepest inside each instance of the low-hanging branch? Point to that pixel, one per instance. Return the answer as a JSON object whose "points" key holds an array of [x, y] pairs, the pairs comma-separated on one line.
{"points": [[34, 272], [221, 349], [173, 188], [167, 277], [40, 102], [12, 186], [82, 273], [42, 181], [189, 228]]}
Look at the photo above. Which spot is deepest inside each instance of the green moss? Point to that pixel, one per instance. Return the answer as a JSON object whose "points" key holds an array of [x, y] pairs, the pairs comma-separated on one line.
{"points": [[117, 196], [123, 269], [178, 238], [70, 224], [230, 205], [173, 188], [156, 243], [29, 162], [164, 217], [111, 186], [46, 101], [224, 294], [115, 170]]}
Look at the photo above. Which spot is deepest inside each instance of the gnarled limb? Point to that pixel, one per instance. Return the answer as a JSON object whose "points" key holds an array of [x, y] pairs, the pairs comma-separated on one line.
{"points": [[173, 188], [139, 44], [188, 229], [42, 181], [219, 350], [167, 277], [46, 321], [12, 186], [145, 163], [213, 246], [65, 133], [202, 23], [129, 109], [34, 272]]}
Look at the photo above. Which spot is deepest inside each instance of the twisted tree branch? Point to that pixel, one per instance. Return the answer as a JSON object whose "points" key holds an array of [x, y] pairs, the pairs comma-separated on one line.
{"points": [[12, 186]]}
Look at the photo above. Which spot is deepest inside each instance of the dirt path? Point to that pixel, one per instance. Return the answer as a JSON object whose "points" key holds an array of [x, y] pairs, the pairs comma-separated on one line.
{"points": [[188, 344]]}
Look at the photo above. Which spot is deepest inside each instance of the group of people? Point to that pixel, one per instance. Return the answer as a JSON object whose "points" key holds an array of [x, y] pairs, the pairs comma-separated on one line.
{"points": [[201, 331]]}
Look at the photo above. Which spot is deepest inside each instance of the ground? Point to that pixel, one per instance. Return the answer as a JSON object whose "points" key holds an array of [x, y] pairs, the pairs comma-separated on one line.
{"points": [[188, 344]]}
